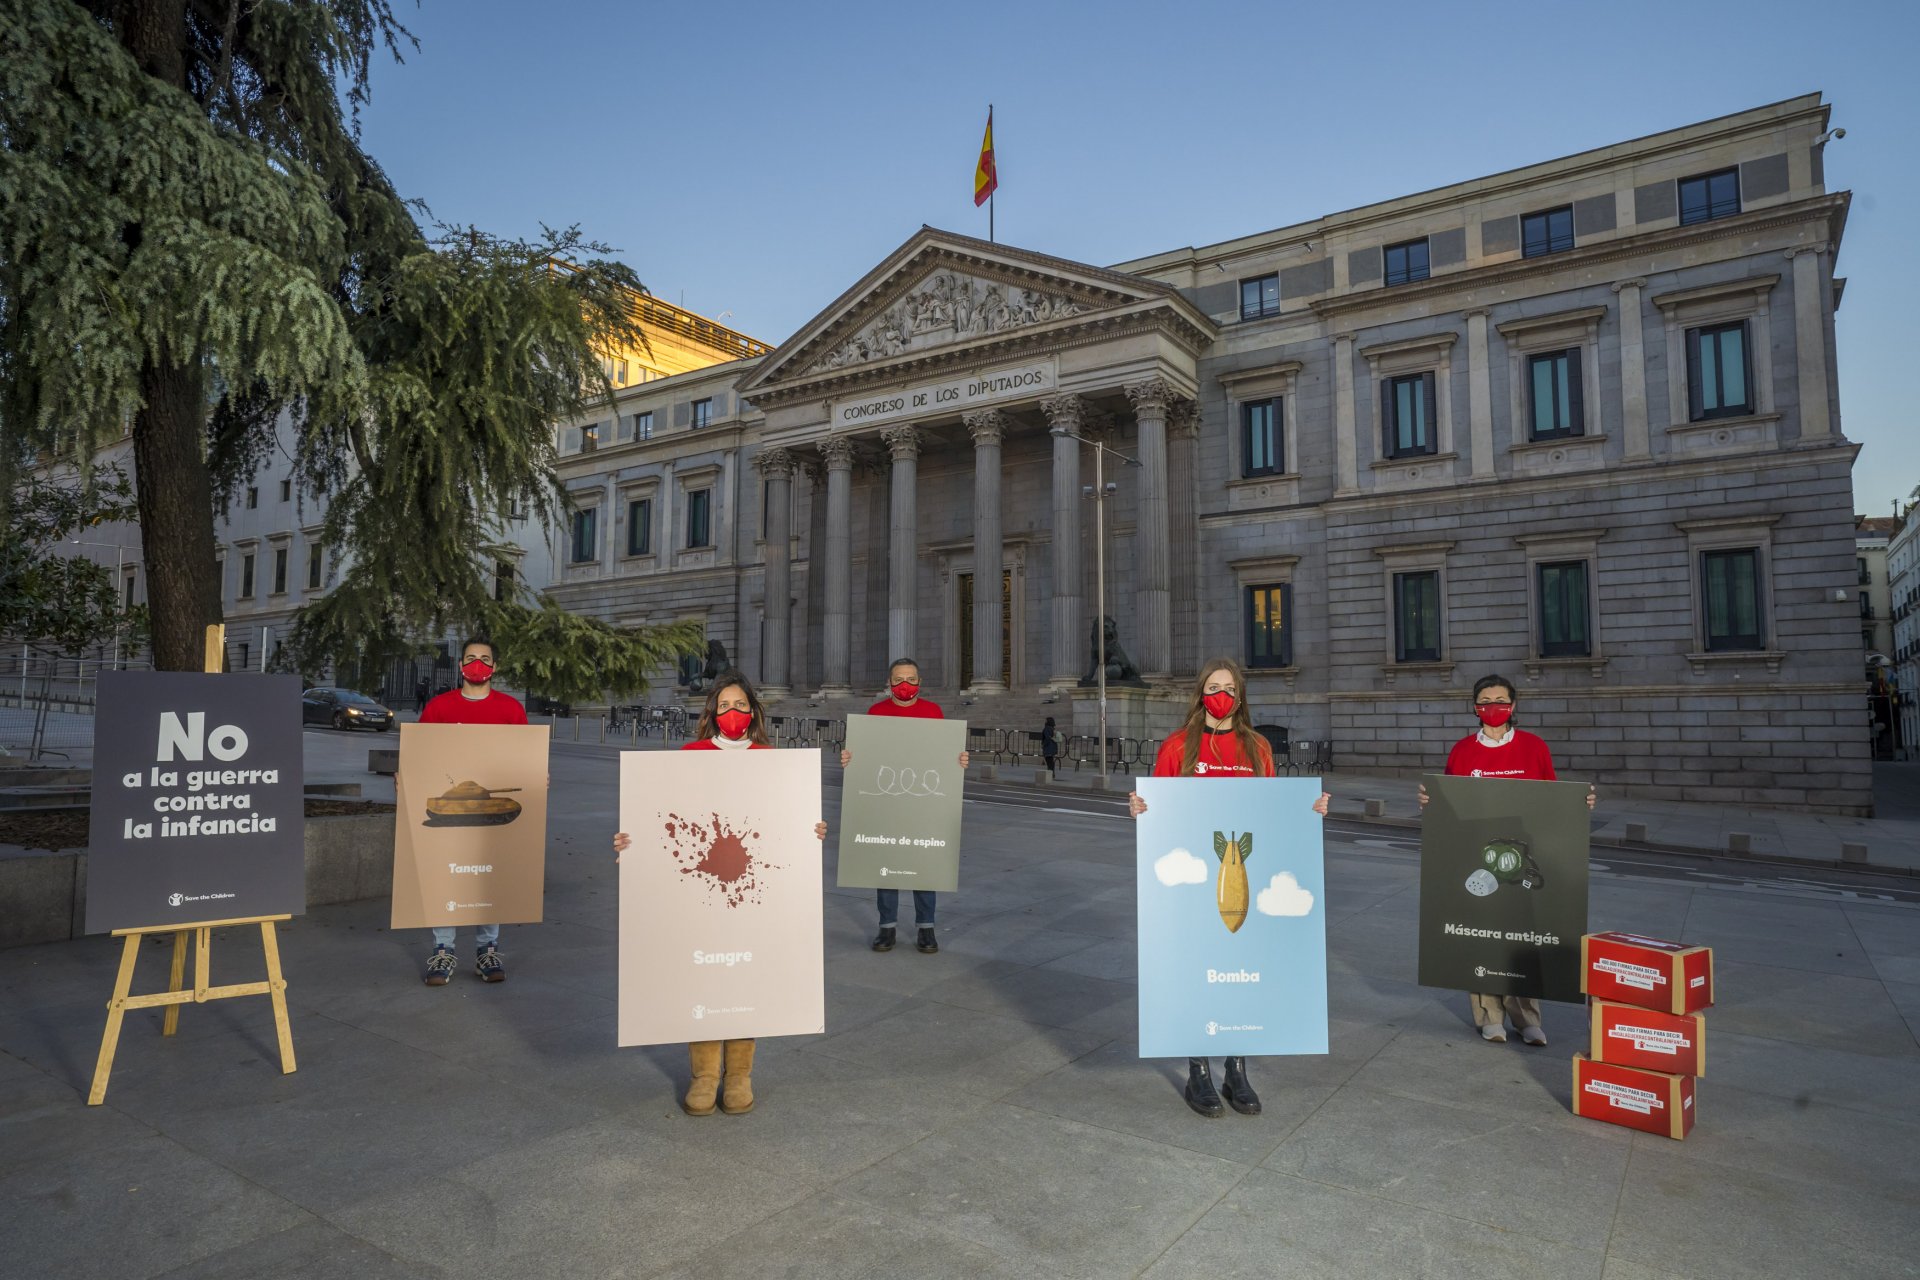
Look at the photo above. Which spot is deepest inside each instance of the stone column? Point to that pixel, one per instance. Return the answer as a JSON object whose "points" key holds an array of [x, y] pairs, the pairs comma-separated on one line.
{"points": [[987, 427], [1065, 415], [903, 544], [1635, 437], [776, 468], [1810, 342], [1345, 445], [1152, 556], [837, 571], [1479, 395], [1183, 471]]}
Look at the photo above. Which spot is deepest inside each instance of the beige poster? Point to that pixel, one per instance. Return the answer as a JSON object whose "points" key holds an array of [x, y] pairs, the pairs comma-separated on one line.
{"points": [[720, 896], [470, 825]]}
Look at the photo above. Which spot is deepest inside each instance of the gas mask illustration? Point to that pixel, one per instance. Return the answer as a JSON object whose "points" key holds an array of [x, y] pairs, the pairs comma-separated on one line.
{"points": [[1504, 862]]}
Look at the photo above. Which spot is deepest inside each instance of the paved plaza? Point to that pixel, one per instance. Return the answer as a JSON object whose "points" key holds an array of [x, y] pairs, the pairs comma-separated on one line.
{"points": [[978, 1113]]}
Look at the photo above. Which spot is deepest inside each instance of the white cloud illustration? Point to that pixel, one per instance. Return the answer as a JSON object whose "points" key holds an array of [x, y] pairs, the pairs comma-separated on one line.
{"points": [[1283, 896], [1179, 867]]}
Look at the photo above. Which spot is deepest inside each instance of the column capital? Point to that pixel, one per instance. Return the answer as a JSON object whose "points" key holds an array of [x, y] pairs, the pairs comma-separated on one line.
{"points": [[1477, 313], [774, 463], [1065, 413], [903, 443], [986, 426], [1815, 249], [838, 453], [1344, 337], [1183, 419], [1633, 282], [1152, 395]]}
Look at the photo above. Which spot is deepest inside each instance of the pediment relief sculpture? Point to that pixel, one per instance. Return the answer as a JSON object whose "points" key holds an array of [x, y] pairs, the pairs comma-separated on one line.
{"points": [[944, 308]]}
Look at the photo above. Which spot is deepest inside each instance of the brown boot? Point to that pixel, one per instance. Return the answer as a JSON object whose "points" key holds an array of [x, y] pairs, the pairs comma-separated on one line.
{"points": [[738, 1098], [705, 1056]]}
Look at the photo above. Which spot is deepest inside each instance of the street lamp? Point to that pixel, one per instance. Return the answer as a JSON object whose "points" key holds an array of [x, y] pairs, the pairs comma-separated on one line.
{"points": [[1100, 491]]}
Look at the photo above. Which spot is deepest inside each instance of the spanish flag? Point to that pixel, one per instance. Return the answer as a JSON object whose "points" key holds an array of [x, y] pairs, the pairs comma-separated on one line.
{"points": [[984, 177]]}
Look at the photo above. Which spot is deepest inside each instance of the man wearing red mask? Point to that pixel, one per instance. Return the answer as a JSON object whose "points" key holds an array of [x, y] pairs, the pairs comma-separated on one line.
{"points": [[903, 699], [476, 701]]}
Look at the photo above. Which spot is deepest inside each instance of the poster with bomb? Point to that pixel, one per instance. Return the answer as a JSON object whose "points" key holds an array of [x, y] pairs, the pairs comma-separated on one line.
{"points": [[1233, 925], [721, 896], [197, 800], [1503, 886], [900, 805], [470, 825]]}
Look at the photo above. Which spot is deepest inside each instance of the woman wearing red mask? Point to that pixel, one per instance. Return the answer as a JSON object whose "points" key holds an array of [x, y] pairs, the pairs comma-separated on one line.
{"points": [[733, 720], [1500, 750], [1217, 740]]}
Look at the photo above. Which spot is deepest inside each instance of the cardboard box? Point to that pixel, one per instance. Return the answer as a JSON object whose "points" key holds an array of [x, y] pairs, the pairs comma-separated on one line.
{"points": [[1650, 1101], [1627, 1035], [1654, 974]]}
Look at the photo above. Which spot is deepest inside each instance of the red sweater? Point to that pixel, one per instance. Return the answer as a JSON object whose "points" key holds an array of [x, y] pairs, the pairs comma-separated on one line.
{"points": [[1219, 757], [1523, 755], [454, 707], [918, 709], [708, 744]]}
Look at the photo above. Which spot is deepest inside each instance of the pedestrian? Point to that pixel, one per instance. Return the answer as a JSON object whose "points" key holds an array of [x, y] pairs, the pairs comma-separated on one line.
{"points": [[1217, 740], [903, 699], [1049, 745], [476, 701], [1498, 749], [732, 721]]}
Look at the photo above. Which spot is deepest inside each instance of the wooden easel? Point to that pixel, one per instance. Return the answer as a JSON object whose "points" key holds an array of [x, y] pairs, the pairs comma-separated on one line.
{"points": [[174, 996]]}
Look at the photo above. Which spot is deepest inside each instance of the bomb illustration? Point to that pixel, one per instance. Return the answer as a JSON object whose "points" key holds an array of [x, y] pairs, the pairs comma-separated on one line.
{"points": [[468, 804], [1504, 862], [1233, 853]]}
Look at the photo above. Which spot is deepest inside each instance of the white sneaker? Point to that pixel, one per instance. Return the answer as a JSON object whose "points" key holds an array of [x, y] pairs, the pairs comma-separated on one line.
{"points": [[1498, 1035], [1533, 1036]]}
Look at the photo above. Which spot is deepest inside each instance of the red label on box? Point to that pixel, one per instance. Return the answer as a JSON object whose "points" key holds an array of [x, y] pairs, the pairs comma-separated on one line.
{"points": [[1650, 1101], [1648, 972], [1631, 1036]]}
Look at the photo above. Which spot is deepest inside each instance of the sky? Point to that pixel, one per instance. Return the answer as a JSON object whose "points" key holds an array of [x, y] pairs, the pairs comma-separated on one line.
{"points": [[751, 161]]}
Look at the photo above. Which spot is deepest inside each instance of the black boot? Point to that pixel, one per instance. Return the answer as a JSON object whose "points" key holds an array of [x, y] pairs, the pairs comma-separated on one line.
{"points": [[884, 940], [1201, 1095], [927, 944], [1239, 1094]]}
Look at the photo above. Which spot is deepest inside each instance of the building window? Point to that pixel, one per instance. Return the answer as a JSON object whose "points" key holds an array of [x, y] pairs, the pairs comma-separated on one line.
{"points": [[1260, 297], [253, 498], [702, 414], [1270, 625], [1408, 410], [1565, 631], [1709, 196], [1416, 616], [286, 491], [1406, 262], [246, 576], [643, 426], [1866, 575], [1262, 428], [1718, 382], [1550, 231], [1732, 595], [586, 541], [503, 580], [699, 504], [620, 374], [279, 570], [590, 437], [640, 527], [1866, 605], [1558, 410], [126, 593], [316, 565]]}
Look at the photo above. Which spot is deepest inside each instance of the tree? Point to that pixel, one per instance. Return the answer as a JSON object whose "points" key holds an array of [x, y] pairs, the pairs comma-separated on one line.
{"points": [[193, 241], [56, 601]]}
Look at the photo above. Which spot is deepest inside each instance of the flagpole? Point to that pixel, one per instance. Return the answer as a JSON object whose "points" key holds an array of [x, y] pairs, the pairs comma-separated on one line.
{"points": [[996, 177]]}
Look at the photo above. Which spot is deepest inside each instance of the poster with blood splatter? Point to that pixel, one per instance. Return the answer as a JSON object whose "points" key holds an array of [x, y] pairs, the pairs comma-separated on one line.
{"points": [[470, 825], [720, 896]]}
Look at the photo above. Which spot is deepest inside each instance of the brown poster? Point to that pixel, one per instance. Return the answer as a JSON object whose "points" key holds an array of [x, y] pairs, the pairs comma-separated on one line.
{"points": [[721, 935], [470, 825]]}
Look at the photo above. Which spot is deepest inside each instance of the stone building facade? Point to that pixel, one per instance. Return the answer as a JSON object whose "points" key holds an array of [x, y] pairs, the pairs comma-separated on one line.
{"points": [[1575, 423]]}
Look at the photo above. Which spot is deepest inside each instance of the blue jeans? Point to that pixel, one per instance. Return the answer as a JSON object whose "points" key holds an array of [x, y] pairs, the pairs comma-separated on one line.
{"points": [[482, 935], [889, 900]]}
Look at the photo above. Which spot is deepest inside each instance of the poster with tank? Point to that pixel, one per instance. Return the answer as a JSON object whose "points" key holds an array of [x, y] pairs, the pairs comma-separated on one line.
{"points": [[1231, 894], [721, 896], [197, 807], [1503, 886], [470, 825], [900, 804]]}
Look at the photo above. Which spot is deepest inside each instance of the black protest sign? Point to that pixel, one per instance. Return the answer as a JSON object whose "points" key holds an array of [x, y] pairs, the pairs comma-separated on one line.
{"points": [[1503, 886], [197, 800]]}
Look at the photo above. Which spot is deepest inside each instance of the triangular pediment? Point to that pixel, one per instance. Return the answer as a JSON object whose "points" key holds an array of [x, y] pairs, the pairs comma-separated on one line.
{"points": [[942, 294]]}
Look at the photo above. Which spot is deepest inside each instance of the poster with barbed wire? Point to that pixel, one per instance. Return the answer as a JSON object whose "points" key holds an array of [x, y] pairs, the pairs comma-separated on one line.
{"points": [[900, 804]]}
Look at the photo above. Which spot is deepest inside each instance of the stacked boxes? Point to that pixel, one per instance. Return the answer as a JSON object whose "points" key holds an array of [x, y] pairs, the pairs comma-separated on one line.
{"points": [[1648, 1039]]}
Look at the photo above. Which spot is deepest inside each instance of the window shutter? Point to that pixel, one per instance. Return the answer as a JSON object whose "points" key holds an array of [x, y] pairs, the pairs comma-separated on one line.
{"points": [[1387, 424], [1430, 429], [1694, 401], [682, 413], [1286, 624], [1576, 398]]}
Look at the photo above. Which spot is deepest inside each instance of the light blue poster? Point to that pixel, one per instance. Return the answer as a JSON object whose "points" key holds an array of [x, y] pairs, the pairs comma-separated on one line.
{"points": [[1233, 917]]}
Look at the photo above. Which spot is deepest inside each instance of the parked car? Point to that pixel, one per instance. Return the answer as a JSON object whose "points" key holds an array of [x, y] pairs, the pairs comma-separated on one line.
{"points": [[343, 709], [541, 705]]}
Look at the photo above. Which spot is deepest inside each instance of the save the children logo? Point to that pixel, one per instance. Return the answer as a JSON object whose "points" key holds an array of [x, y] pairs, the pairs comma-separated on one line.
{"points": [[175, 899], [1213, 1028]]}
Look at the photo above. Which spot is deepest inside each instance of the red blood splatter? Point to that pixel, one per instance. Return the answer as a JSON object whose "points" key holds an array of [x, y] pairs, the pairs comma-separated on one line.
{"points": [[726, 861], [719, 856]]}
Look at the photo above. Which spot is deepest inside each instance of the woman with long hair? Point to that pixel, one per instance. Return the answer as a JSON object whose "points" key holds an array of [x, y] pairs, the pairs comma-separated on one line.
{"points": [[732, 720], [1217, 740]]}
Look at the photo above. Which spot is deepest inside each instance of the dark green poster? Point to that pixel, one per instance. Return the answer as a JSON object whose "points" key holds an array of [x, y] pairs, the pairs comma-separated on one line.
{"points": [[900, 804], [1503, 886]]}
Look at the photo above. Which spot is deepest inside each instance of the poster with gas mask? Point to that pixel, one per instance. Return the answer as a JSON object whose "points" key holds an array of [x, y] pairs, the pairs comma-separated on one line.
{"points": [[1503, 886]]}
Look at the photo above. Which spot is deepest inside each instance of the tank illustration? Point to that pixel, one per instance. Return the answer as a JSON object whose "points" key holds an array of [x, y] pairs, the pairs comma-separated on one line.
{"points": [[1504, 862], [468, 804], [1233, 853]]}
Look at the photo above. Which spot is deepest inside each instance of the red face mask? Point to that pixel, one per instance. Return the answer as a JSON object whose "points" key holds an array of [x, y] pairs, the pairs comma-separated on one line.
{"points": [[1220, 705], [906, 692], [477, 671], [1494, 714], [734, 724]]}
